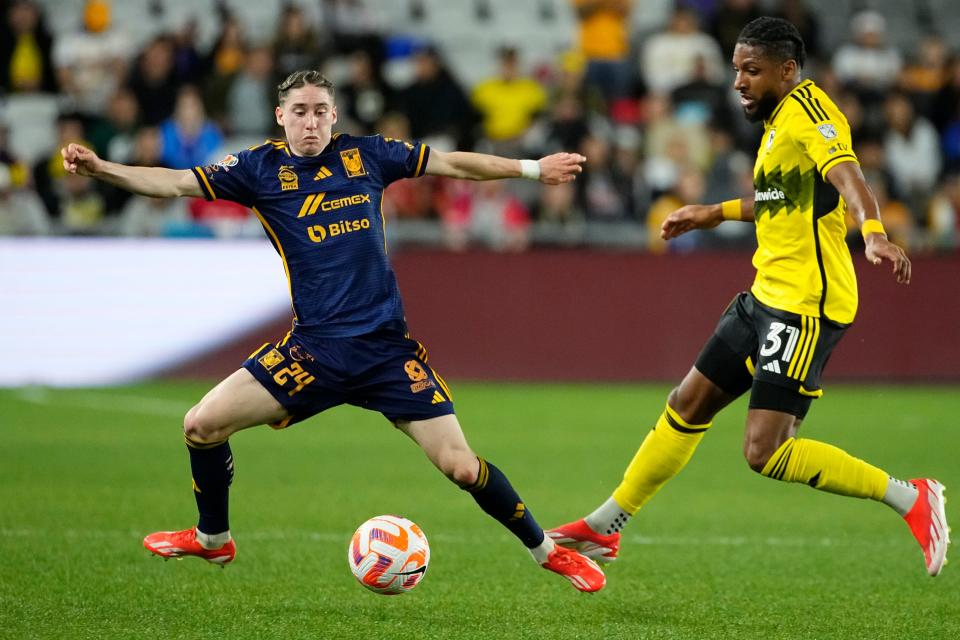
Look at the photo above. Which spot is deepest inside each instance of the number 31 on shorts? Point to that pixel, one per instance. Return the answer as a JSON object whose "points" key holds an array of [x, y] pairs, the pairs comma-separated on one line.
{"points": [[781, 336], [792, 344]]}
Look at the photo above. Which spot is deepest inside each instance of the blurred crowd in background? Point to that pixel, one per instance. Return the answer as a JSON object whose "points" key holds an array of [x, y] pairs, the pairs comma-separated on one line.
{"points": [[642, 88]]}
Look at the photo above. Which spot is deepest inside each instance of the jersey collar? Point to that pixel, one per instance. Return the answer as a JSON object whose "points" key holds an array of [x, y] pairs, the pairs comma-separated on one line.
{"points": [[776, 112], [329, 147]]}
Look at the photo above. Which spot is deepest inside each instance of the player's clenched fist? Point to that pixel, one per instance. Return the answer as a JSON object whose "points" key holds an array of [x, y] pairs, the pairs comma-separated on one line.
{"points": [[80, 160], [560, 167]]}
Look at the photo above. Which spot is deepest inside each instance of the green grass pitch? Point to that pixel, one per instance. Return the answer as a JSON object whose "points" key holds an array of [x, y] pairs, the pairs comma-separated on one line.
{"points": [[719, 553]]}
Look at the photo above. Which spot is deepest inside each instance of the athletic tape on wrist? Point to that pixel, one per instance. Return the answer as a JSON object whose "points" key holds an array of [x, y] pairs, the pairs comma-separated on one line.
{"points": [[730, 209], [530, 169], [872, 225]]}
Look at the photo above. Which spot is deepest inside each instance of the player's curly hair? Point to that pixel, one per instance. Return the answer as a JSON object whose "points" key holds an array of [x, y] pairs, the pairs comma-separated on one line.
{"points": [[777, 37], [302, 78]]}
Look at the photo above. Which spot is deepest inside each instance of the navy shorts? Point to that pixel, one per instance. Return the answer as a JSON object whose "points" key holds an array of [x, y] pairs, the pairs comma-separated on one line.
{"points": [[384, 371], [778, 355]]}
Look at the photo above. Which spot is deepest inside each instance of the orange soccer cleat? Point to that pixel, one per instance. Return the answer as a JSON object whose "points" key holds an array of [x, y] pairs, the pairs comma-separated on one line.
{"points": [[179, 544], [579, 536], [928, 522], [582, 572]]}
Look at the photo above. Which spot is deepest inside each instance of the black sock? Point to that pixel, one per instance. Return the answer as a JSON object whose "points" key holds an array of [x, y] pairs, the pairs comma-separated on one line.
{"points": [[212, 466], [497, 497]]}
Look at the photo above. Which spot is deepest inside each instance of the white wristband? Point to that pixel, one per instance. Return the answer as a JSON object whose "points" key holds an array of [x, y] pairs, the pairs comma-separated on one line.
{"points": [[530, 169]]}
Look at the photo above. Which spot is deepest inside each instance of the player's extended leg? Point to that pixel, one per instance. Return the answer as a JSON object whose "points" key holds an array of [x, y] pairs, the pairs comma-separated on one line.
{"points": [[238, 402], [773, 450], [670, 444], [664, 452], [443, 441]]}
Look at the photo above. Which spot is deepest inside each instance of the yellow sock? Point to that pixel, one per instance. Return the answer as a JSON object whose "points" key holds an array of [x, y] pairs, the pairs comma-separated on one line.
{"points": [[665, 451], [825, 467]]}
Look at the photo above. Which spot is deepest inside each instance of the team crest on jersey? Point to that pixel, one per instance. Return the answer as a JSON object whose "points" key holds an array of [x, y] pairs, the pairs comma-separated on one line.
{"points": [[228, 161], [288, 178], [828, 131], [353, 163], [270, 359]]}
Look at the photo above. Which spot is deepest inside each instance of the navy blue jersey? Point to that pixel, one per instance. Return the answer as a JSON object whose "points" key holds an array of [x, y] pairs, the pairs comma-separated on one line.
{"points": [[323, 215]]}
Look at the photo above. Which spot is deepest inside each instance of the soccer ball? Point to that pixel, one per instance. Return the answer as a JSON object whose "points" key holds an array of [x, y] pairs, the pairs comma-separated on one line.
{"points": [[388, 555]]}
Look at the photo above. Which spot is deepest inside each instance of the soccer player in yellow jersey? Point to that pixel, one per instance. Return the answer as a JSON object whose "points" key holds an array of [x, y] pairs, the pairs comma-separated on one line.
{"points": [[775, 340]]}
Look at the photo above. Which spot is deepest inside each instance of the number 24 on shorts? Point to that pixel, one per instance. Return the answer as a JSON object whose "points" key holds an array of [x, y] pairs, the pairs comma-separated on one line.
{"points": [[295, 372]]}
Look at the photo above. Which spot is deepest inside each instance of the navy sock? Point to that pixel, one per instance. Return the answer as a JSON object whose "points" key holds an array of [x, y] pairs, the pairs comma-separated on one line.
{"points": [[212, 466], [495, 495]]}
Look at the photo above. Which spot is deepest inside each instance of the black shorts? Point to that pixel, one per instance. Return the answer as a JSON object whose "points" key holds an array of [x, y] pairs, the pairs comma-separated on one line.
{"points": [[385, 371], [776, 354]]}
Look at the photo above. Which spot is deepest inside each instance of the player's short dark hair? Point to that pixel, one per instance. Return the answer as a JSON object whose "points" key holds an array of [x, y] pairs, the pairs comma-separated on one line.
{"points": [[303, 78], [777, 37]]}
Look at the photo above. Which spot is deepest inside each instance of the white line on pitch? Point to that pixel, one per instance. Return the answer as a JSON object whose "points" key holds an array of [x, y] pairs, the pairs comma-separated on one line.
{"points": [[143, 405], [447, 538]]}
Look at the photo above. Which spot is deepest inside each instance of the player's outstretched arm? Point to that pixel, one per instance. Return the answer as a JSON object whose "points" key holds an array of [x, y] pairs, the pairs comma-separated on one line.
{"points": [[553, 169], [156, 182], [705, 216], [849, 181]]}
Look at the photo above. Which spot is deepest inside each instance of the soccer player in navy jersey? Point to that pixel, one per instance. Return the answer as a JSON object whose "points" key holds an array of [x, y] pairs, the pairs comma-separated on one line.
{"points": [[318, 196]]}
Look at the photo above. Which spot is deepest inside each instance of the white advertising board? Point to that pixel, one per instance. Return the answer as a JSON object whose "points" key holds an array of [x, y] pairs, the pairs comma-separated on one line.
{"points": [[77, 312]]}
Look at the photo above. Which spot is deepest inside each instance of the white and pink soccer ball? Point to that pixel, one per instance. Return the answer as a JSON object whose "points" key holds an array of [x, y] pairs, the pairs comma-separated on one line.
{"points": [[388, 555]]}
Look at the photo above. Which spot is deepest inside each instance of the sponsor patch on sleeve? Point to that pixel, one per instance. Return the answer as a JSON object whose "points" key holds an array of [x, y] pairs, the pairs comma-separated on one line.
{"points": [[228, 161], [827, 130]]}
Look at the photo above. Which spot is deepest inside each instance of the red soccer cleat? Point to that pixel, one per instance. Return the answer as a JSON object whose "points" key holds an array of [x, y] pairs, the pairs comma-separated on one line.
{"points": [[579, 536], [581, 571], [178, 544], [928, 522]]}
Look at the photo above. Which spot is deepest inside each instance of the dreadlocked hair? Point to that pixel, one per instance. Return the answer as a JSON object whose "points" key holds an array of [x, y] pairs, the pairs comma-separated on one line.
{"points": [[777, 37]]}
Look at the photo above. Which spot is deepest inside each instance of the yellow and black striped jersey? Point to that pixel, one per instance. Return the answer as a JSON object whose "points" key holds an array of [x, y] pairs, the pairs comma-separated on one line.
{"points": [[802, 261]]}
